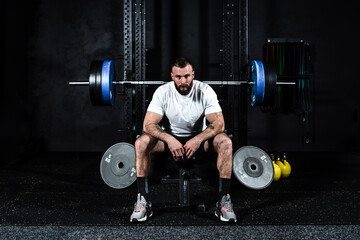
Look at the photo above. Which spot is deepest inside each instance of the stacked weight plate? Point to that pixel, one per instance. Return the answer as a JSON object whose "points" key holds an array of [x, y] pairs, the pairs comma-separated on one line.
{"points": [[264, 78], [101, 83]]}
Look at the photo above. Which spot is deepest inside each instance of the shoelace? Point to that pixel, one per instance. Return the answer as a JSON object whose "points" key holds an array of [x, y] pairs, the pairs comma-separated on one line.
{"points": [[139, 204], [228, 205]]}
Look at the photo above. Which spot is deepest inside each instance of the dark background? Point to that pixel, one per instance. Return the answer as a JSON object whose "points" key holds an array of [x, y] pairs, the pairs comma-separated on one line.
{"points": [[46, 44]]}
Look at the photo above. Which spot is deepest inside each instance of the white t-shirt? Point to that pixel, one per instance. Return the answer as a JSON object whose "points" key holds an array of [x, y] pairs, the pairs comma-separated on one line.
{"points": [[185, 114]]}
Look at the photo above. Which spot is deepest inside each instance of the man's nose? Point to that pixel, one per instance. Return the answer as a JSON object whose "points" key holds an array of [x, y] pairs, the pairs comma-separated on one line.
{"points": [[183, 80]]}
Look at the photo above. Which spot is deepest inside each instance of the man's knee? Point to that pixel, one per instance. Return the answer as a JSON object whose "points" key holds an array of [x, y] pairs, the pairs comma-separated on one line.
{"points": [[144, 143], [222, 143]]}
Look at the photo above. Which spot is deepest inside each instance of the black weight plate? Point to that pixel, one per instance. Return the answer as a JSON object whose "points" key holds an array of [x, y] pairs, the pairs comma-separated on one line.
{"points": [[270, 84], [92, 80], [98, 84], [95, 83], [273, 88]]}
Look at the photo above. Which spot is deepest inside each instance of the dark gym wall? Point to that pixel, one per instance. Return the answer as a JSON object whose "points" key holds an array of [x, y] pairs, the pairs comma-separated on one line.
{"points": [[330, 29], [17, 122], [49, 43], [184, 28]]}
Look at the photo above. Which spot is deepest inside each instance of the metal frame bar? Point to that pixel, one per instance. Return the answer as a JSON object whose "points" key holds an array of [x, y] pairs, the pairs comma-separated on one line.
{"points": [[227, 40], [229, 106], [128, 66], [140, 51], [140, 30], [128, 40], [243, 64], [243, 38]]}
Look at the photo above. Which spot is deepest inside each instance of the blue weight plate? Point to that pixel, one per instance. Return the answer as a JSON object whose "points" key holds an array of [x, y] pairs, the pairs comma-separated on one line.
{"points": [[258, 78], [106, 83]]}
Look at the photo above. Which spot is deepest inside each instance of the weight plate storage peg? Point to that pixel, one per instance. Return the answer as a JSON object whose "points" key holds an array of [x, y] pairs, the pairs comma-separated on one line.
{"points": [[253, 167], [117, 166]]}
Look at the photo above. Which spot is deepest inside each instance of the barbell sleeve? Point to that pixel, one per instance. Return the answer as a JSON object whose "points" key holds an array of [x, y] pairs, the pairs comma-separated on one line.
{"points": [[79, 83], [293, 77]]}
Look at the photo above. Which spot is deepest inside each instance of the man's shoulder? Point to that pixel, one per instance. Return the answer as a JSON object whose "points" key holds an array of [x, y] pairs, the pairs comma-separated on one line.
{"points": [[164, 87], [201, 85]]}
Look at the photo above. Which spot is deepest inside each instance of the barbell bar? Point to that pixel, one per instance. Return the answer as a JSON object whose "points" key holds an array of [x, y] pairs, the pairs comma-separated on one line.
{"points": [[263, 81], [129, 83]]}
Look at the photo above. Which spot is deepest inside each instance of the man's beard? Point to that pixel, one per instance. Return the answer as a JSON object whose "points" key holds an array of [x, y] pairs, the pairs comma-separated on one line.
{"points": [[184, 89]]}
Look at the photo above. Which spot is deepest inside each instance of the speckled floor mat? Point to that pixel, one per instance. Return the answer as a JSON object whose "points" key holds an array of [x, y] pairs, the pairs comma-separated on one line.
{"points": [[66, 189]]}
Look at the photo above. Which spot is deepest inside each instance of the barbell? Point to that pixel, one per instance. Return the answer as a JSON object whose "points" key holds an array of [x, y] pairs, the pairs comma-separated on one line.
{"points": [[264, 80], [251, 166]]}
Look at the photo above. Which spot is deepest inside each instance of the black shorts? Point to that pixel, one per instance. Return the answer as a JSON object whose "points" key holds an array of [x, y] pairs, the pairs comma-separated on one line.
{"points": [[183, 140]]}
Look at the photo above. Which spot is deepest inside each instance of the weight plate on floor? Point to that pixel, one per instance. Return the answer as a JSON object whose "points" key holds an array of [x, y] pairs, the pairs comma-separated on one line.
{"points": [[253, 167], [117, 166], [107, 76], [258, 78], [270, 84]]}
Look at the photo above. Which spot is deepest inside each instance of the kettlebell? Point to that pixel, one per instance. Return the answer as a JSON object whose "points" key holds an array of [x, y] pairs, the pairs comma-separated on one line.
{"points": [[286, 170], [280, 164], [277, 172]]}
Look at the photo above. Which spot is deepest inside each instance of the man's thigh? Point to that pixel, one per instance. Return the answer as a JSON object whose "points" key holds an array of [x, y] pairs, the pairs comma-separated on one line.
{"points": [[159, 147], [209, 145], [147, 139]]}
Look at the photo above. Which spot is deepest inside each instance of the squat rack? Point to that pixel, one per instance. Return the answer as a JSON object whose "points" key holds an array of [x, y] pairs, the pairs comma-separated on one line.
{"points": [[235, 102]]}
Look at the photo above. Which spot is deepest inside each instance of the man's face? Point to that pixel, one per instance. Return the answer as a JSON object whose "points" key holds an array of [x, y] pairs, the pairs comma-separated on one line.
{"points": [[183, 78]]}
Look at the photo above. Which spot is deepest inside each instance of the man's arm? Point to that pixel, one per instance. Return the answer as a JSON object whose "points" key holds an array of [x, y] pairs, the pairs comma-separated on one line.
{"points": [[216, 126], [151, 126]]}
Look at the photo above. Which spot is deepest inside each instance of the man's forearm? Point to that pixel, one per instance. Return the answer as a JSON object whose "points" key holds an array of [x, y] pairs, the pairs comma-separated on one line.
{"points": [[157, 132], [211, 131]]}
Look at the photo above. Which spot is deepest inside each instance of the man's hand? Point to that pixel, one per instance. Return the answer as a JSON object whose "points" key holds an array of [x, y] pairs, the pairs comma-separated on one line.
{"points": [[191, 147], [176, 148]]}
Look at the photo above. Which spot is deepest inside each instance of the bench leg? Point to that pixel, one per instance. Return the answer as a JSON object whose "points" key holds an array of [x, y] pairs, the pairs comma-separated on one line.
{"points": [[184, 185]]}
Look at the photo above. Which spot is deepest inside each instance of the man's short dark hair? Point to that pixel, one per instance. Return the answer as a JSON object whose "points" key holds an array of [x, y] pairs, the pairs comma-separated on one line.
{"points": [[181, 63]]}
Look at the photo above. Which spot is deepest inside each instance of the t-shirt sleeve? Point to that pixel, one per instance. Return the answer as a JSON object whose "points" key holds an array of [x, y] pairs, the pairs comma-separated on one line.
{"points": [[156, 104], [212, 103]]}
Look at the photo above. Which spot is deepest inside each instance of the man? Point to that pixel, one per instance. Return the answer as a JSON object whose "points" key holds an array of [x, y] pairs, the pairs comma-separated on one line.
{"points": [[187, 104]]}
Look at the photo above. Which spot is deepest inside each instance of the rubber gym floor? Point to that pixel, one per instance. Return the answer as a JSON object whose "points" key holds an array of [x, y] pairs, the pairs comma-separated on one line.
{"points": [[62, 196]]}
